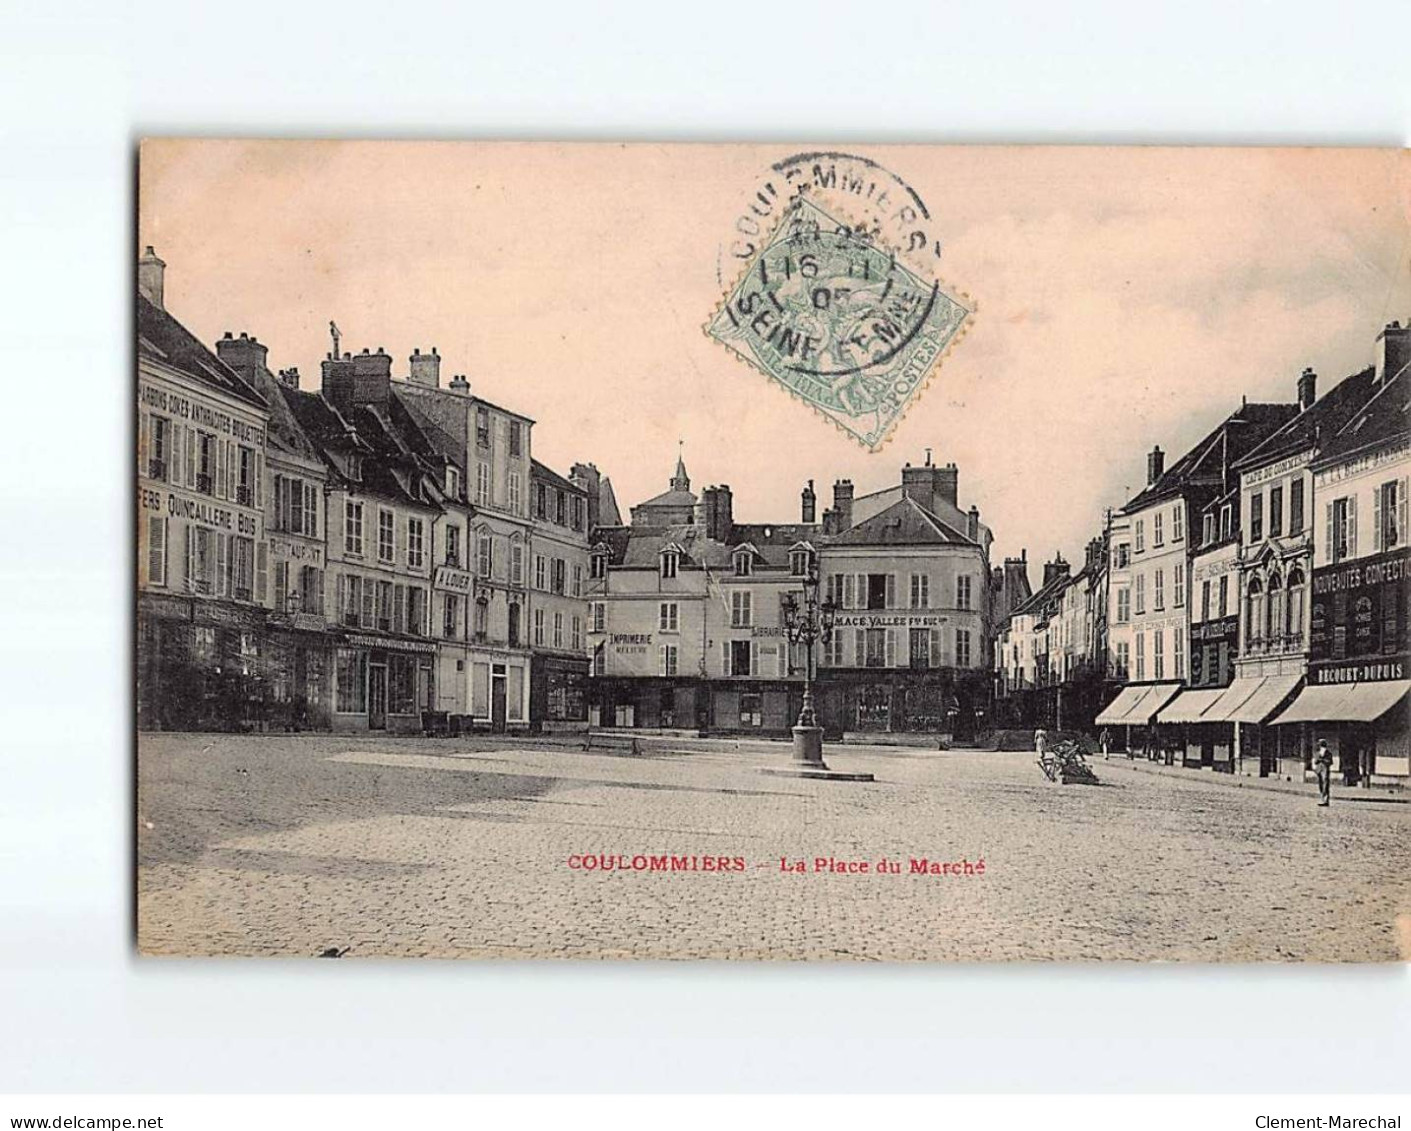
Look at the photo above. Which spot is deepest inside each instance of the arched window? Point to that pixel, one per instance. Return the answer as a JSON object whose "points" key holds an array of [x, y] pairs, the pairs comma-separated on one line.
{"points": [[1293, 607], [1274, 608], [1254, 610]]}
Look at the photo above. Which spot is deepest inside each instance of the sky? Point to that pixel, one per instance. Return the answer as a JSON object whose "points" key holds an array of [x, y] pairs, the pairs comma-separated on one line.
{"points": [[1124, 298]]}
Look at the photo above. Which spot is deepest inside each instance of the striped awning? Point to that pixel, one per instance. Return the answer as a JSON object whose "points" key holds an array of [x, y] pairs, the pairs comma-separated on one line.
{"points": [[1115, 711], [1271, 694], [1137, 704], [1190, 706], [1345, 702]]}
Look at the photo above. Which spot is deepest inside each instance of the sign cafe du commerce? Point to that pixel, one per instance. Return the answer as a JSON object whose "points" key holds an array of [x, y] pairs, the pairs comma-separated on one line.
{"points": [[1358, 630]]}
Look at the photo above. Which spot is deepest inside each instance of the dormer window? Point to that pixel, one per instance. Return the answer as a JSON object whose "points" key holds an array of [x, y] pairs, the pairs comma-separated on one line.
{"points": [[670, 560], [599, 566], [744, 563], [355, 465], [800, 559], [453, 482]]}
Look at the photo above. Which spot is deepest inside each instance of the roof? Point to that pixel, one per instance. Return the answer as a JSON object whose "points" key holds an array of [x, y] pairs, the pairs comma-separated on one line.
{"points": [[608, 514], [905, 523], [1325, 416], [673, 498], [1383, 419], [1208, 462], [161, 338], [641, 546], [548, 475]]}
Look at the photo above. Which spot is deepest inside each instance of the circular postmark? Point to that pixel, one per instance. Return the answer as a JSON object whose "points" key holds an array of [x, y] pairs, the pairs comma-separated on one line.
{"points": [[829, 288]]}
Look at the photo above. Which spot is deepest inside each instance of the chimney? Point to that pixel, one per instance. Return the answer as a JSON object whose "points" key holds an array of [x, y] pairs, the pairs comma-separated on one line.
{"points": [[808, 512], [289, 378], [150, 277], [842, 505], [460, 385], [245, 355], [948, 484], [1095, 555], [1307, 390], [972, 524], [425, 369], [919, 485], [1155, 465], [1055, 569], [1393, 349], [720, 516]]}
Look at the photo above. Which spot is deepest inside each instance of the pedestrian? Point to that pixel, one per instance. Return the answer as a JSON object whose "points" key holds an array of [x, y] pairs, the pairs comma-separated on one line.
{"points": [[1040, 741], [1323, 767], [1103, 739]]}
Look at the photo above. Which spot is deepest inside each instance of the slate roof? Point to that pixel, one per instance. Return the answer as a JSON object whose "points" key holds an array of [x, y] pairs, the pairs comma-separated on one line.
{"points": [[641, 545], [548, 475], [673, 498], [1207, 463], [160, 337], [904, 523], [1383, 419], [1324, 417]]}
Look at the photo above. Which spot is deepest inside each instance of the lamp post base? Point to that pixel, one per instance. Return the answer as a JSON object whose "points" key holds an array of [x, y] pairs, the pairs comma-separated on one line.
{"points": [[808, 746]]}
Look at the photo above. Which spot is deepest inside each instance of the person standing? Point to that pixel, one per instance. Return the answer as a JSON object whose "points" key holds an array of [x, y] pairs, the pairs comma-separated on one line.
{"points": [[1323, 767], [1103, 740]]}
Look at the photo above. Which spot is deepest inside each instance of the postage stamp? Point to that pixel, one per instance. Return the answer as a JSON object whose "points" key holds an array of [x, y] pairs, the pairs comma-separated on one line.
{"points": [[831, 312]]}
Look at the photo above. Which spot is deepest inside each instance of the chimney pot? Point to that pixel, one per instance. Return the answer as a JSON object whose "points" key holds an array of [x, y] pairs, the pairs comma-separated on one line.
{"points": [[1155, 464], [151, 273], [1307, 389]]}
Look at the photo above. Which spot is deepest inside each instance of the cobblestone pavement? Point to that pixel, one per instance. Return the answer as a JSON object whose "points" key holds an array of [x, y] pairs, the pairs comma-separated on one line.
{"points": [[387, 847]]}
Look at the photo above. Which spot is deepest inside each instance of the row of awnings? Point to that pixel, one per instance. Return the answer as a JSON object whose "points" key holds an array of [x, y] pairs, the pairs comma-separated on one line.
{"points": [[1254, 699]]}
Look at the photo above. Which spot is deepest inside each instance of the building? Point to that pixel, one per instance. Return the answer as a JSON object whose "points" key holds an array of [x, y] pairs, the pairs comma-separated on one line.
{"points": [[909, 572], [685, 623], [202, 555], [1359, 669], [1161, 558], [558, 609], [297, 651]]}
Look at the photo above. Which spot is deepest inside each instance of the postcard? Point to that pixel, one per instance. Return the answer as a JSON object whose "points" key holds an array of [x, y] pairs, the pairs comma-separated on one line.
{"points": [[772, 552]]}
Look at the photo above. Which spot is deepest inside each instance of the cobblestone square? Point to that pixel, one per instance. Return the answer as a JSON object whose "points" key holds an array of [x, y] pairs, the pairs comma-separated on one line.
{"points": [[291, 846]]}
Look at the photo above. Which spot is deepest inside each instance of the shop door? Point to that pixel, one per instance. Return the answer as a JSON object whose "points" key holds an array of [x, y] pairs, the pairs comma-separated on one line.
{"points": [[497, 704], [376, 697]]}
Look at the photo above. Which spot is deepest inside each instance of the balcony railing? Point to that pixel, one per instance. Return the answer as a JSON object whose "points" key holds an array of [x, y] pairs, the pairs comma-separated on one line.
{"points": [[157, 469]]}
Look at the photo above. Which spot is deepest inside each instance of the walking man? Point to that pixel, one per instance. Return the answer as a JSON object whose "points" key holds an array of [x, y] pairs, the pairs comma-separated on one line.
{"points": [[1323, 767], [1104, 739]]}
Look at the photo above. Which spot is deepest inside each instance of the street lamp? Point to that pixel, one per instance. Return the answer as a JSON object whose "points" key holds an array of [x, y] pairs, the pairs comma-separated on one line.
{"points": [[806, 621]]}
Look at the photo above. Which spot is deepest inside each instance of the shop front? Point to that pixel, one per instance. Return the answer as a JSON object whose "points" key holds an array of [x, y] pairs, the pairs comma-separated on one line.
{"points": [[558, 693], [648, 702], [949, 703], [383, 683], [299, 662]]}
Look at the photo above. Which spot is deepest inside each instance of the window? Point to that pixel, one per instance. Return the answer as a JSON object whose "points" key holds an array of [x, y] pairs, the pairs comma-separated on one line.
{"points": [[668, 619], [874, 647], [1141, 536], [385, 529], [963, 591], [1178, 586], [558, 581], [158, 447], [350, 605], [351, 677], [668, 563], [1224, 595], [1207, 534], [600, 566], [482, 427], [1141, 593], [1205, 600], [516, 439], [798, 562], [541, 497], [1158, 654], [245, 476], [353, 528], [1389, 515], [667, 653], [1254, 610], [577, 580], [416, 610], [576, 641], [743, 563], [1276, 512], [401, 684], [1123, 658], [453, 481], [242, 568], [206, 463], [1178, 641], [1141, 656], [578, 512], [311, 590], [485, 556], [1158, 536], [1342, 529], [385, 606], [1123, 556], [597, 615], [833, 649], [514, 491], [1256, 516], [156, 550], [962, 647], [451, 617], [1296, 507], [1178, 522], [560, 508], [415, 544], [1274, 608], [512, 622], [920, 591], [480, 690], [920, 650], [1124, 605], [541, 572], [516, 563], [538, 628], [482, 484], [741, 612], [1227, 521], [737, 657], [558, 630]]}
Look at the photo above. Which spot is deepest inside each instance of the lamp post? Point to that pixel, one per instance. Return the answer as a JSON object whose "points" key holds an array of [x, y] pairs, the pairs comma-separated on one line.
{"points": [[806, 620]]}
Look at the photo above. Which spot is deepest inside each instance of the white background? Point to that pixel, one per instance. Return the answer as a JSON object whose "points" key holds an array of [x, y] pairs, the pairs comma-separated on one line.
{"points": [[80, 82]]}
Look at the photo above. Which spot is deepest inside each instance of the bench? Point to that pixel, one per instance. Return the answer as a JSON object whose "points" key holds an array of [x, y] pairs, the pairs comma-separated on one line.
{"points": [[613, 741]]}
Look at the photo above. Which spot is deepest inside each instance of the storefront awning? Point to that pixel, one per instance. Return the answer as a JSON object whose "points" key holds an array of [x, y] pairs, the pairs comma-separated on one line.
{"points": [[1126, 699], [1234, 697], [1345, 702], [1190, 706], [1135, 705], [1272, 691]]}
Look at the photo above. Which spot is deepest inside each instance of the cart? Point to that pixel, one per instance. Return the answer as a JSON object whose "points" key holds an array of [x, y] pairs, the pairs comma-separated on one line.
{"points": [[1066, 763]]}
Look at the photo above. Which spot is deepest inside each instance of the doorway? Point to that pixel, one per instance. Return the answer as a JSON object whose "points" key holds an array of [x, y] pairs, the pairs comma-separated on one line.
{"points": [[498, 713], [377, 697]]}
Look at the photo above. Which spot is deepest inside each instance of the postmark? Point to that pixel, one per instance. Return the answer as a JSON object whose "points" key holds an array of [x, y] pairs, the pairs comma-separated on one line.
{"points": [[836, 294], [839, 319]]}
